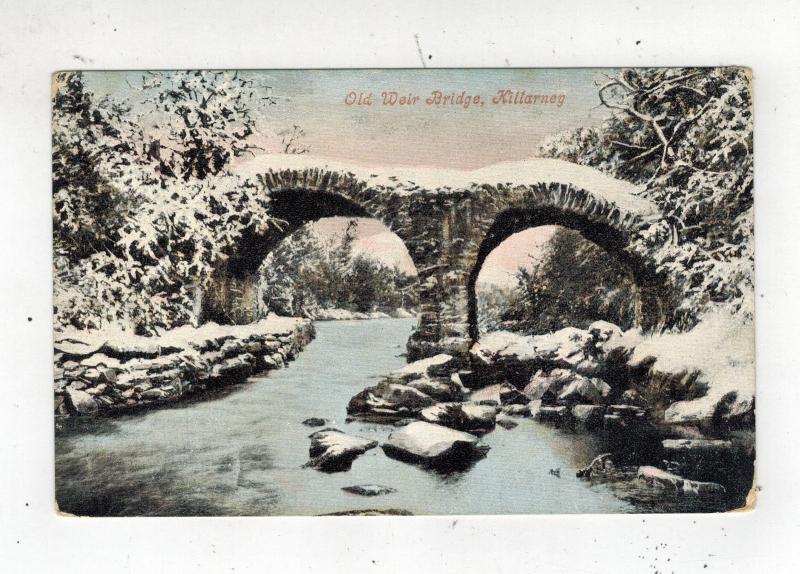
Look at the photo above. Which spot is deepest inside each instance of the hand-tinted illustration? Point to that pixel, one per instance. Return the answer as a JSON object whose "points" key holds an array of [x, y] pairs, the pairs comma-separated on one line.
{"points": [[365, 292]]}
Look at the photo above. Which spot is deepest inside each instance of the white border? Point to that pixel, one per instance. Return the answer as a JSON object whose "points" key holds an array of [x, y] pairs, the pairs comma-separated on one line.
{"points": [[38, 38]]}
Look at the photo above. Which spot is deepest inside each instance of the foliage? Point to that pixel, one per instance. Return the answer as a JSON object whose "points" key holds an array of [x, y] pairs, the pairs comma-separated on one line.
{"points": [[686, 136], [304, 274], [573, 284], [136, 230]]}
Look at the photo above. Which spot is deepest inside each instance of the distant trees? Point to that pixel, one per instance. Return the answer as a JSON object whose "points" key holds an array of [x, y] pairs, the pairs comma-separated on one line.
{"points": [[686, 136], [303, 275], [573, 283]]}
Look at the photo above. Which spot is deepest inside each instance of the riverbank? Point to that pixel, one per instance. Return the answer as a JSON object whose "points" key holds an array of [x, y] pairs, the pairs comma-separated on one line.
{"points": [[347, 315], [109, 371], [624, 389]]}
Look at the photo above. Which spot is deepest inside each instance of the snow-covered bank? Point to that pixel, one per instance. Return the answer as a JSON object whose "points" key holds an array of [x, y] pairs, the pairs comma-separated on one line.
{"points": [[704, 377], [110, 370], [346, 315]]}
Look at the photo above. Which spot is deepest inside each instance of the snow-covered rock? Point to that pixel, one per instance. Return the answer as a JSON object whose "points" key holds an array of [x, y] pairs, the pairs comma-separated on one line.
{"points": [[438, 365], [661, 479], [437, 389], [332, 450], [475, 419], [566, 386], [369, 489], [499, 394], [433, 445], [81, 402], [389, 399]]}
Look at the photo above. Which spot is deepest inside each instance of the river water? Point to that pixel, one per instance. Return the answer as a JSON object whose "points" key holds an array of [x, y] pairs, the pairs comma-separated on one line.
{"points": [[241, 451]]}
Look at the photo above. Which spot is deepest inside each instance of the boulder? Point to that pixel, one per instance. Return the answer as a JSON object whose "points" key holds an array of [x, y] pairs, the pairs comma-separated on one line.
{"points": [[332, 450], [566, 386], [704, 459], [369, 489], [558, 416], [475, 419], [516, 410], [433, 445], [585, 390], [588, 416], [438, 365], [81, 402], [438, 390], [546, 386], [389, 399], [661, 479], [500, 394], [152, 394]]}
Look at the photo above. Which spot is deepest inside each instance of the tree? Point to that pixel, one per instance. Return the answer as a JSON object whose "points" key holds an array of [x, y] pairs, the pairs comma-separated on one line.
{"points": [[574, 283], [686, 136], [304, 275], [136, 228]]}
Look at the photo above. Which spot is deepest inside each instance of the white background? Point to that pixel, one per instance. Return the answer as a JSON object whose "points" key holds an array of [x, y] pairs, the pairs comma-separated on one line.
{"points": [[38, 38]]}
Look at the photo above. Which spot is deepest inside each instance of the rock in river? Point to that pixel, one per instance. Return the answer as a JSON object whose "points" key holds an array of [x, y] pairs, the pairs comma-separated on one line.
{"points": [[332, 450], [475, 419], [499, 394], [433, 445], [389, 400], [369, 489], [315, 422]]}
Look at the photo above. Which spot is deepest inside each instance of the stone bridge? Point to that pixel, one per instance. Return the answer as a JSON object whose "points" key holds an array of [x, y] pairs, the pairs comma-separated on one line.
{"points": [[451, 220]]}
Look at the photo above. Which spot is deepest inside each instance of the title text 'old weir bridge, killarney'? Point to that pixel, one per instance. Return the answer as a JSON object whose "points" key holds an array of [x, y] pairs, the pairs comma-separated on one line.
{"points": [[451, 220]]}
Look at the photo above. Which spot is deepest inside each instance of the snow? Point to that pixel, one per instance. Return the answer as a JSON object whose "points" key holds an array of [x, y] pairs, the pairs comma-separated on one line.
{"points": [[181, 337], [721, 347], [409, 179]]}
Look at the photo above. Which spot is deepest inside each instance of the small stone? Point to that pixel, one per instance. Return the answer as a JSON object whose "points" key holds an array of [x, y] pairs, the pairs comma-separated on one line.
{"points": [[315, 422], [369, 489], [81, 402], [507, 424]]}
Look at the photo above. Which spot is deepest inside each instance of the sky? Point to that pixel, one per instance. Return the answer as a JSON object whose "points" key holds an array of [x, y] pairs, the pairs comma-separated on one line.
{"points": [[325, 105], [375, 240], [451, 136]]}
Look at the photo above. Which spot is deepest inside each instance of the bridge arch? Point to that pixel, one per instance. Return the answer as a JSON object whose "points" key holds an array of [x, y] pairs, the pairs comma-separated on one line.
{"points": [[450, 220], [650, 307]]}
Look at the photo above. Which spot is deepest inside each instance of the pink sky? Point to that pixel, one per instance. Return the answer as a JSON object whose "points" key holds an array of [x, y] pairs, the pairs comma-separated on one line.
{"points": [[377, 241]]}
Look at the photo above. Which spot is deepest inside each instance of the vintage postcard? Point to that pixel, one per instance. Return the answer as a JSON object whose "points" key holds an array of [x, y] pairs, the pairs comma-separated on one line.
{"points": [[403, 292]]}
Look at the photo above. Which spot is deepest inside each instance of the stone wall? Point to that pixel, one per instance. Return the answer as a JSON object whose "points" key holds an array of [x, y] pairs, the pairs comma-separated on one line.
{"points": [[95, 374]]}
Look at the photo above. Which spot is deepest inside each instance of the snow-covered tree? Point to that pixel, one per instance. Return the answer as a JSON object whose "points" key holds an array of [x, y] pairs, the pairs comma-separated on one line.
{"points": [[686, 135], [137, 229]]}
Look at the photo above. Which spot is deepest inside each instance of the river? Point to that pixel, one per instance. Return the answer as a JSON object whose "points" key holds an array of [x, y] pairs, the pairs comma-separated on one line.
{"points": [[241, 451]]}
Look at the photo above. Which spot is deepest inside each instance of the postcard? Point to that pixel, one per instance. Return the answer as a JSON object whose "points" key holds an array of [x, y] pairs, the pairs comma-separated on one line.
{"points": [[403, 292]]}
